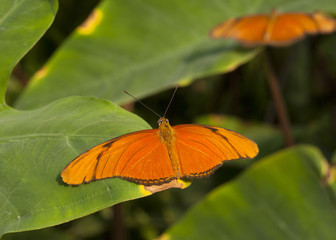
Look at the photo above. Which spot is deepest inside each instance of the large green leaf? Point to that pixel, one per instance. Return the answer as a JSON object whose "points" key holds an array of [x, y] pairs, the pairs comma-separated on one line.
{"points": [[140, 46], [281, 197], [22, 23], [34, 148], [147, 46]]}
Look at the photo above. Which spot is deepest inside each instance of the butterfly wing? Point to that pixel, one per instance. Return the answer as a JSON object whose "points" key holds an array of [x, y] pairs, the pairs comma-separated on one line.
{"points": [[139, 157], [249, 30], [290, 27], [325, 24], [276, 29], [202, 149]]}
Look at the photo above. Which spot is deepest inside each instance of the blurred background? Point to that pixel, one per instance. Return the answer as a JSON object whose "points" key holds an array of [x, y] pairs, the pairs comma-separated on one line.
{"points": [[239, 100]]}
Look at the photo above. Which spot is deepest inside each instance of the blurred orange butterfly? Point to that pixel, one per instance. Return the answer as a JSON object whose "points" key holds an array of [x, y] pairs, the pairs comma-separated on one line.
{"points": [[274, 29], [158, 156]]}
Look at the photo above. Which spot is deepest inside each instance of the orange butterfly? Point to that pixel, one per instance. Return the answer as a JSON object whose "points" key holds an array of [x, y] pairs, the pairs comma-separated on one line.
{"points": [[158, 156], [274, 29]]}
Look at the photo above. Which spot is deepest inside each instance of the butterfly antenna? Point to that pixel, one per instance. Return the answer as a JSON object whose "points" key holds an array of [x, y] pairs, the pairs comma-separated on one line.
{"points": [[164, 115], [138, 100]]}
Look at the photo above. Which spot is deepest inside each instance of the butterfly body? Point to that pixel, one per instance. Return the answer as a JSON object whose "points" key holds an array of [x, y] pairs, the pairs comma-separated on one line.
{"points": [[157, 156], [168, 138]]}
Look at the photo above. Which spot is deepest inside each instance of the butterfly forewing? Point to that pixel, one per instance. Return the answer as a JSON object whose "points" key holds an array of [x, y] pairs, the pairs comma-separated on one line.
{"points": [[139, 157], [202, 149], [291, 27], [248, 29], [325, 24]]}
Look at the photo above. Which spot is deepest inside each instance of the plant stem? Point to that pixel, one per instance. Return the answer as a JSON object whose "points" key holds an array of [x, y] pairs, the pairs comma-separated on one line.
{"points": [[118, 228], [279, 103]]}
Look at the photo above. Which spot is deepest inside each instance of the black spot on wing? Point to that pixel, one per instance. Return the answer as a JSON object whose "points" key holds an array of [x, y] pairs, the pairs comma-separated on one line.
{"points": [[95, 169], [215, 130], [108, 144]]}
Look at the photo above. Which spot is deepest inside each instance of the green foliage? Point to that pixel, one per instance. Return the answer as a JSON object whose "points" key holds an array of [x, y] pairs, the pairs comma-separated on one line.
{"points": [[20, 27], [142, 47], [281, 197], [36, 145], [146, 47]]}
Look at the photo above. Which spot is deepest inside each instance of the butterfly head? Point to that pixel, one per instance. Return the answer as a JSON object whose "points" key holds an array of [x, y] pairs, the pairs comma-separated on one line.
{"points": [[164, 122], [165, 130]]}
